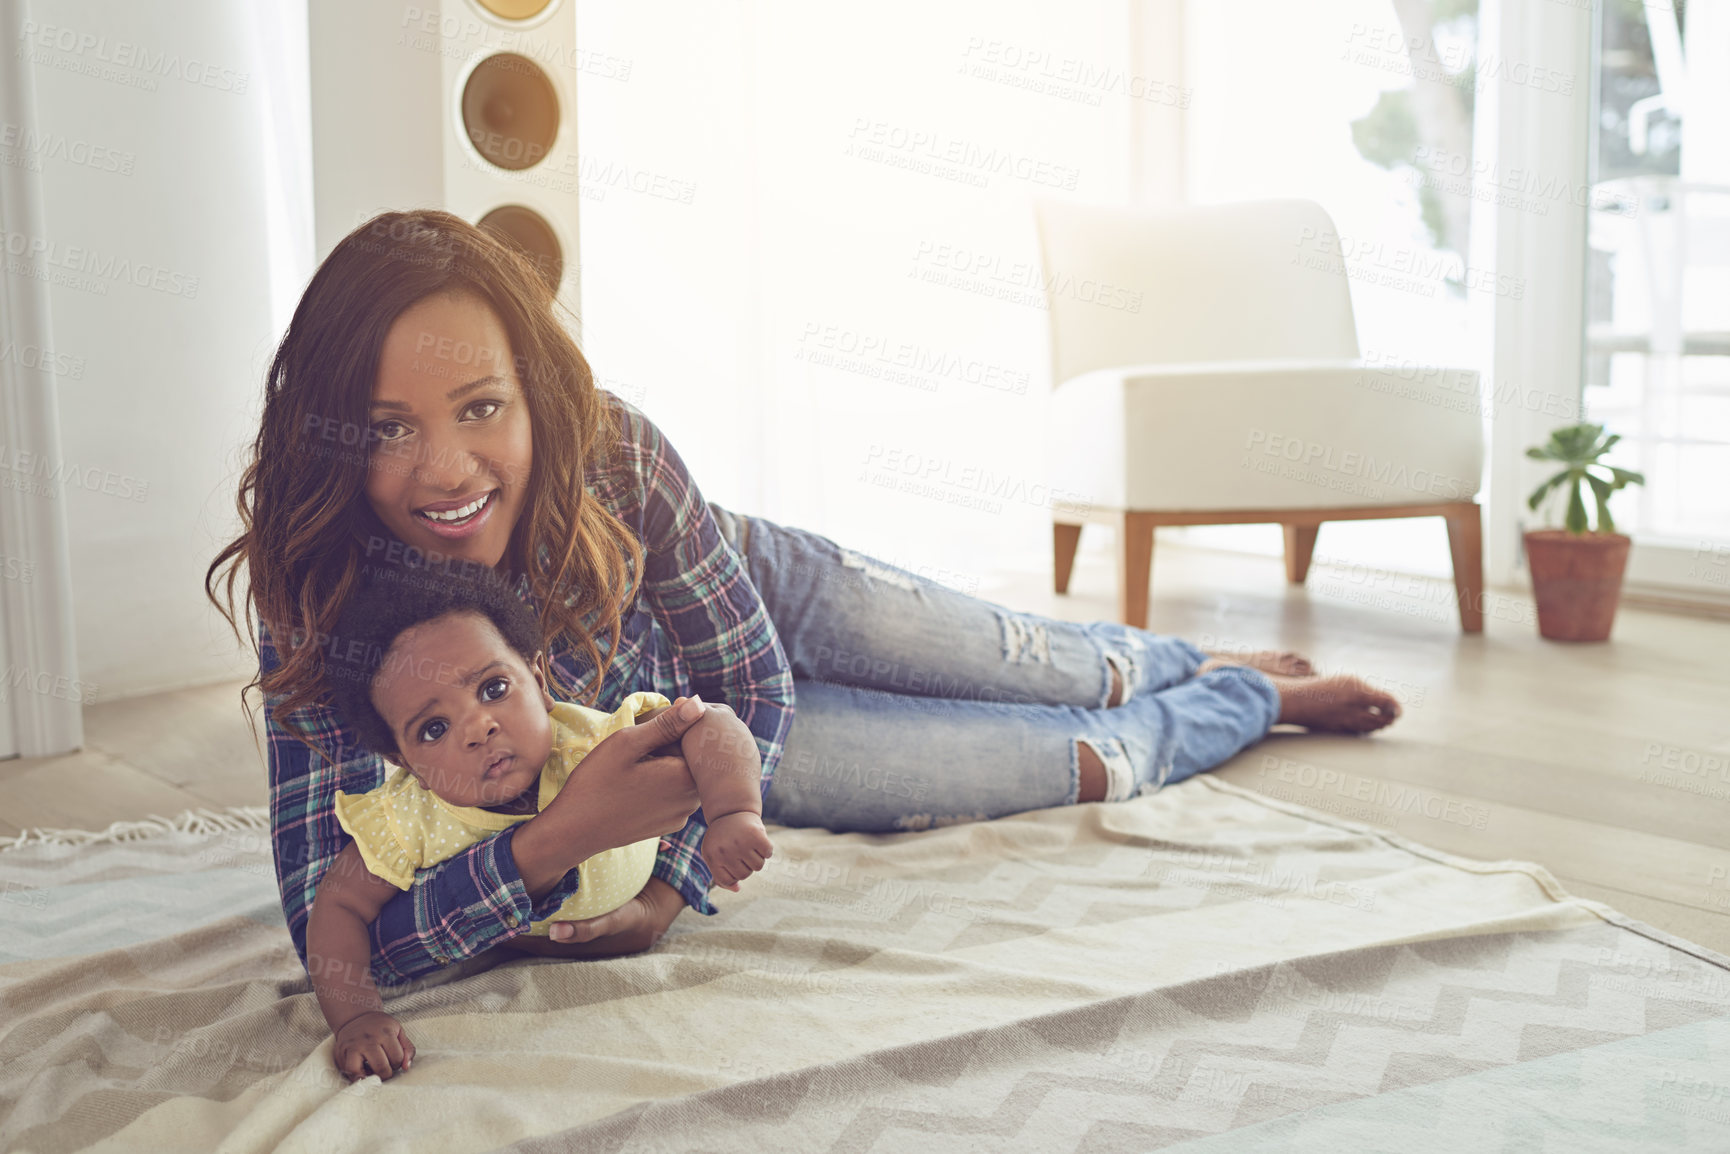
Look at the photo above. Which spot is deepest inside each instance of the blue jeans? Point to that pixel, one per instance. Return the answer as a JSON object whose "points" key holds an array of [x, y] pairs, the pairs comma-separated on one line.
{"points": [[916, 705]]}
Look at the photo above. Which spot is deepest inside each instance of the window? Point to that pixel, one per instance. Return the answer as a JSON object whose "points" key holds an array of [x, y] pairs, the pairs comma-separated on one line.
{"points": [[1657, 276]]}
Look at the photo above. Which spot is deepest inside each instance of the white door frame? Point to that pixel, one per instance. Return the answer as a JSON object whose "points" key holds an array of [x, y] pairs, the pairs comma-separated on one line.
{"points": [[37, 652], [1541, 134]]}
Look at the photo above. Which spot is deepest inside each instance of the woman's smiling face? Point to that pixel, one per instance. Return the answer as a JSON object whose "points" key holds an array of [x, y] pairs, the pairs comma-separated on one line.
{"points": [[449, 470]]}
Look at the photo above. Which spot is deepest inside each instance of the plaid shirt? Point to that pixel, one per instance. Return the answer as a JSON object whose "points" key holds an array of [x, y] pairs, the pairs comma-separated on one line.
{"points": [[698, 627]]}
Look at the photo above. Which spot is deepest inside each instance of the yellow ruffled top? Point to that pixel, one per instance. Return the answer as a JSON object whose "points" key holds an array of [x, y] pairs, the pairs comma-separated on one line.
{"points": [[400, 828]]}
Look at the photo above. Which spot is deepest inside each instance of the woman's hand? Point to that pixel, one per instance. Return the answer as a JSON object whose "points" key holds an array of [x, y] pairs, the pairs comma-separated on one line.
{"points": [[371, 1043], [619, 794], [636, 781], [632, 928]]}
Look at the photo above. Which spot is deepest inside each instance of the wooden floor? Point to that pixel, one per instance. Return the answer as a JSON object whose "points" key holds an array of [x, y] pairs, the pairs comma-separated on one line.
{"points": [[1609, 764]]}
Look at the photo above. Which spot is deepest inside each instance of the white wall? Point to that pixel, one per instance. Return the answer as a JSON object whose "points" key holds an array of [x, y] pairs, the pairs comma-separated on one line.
{"points": [[169, 371], [804, 237]]}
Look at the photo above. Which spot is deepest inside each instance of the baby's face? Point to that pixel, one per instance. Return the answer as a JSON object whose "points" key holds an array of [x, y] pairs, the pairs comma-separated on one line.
{"points": [[468, 713]]}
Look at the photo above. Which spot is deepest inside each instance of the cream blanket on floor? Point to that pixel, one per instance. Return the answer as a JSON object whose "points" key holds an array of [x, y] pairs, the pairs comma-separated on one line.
{"points": [[891, 982]]}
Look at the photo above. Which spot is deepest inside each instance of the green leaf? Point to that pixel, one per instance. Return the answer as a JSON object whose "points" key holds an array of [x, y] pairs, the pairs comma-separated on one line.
{"points": [[1579, 446], [1575, 444], [1543, 490], [1601, 489], [1626, 477], [1446, 10], [1388, 134], [1576, 521]]}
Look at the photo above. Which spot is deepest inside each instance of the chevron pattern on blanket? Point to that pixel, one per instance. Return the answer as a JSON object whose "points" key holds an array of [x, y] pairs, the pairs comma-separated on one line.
{"points": [[1203, 969]]}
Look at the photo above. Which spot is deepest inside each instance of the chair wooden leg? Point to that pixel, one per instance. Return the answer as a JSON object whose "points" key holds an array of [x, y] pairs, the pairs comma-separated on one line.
{"points": [[1134, 568], [1466, 543], [1300, 546], [1065, 538]]}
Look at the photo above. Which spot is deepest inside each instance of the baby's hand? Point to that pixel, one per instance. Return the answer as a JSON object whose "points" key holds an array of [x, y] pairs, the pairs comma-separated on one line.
{"points": [[736, 847], [373, 1043]]}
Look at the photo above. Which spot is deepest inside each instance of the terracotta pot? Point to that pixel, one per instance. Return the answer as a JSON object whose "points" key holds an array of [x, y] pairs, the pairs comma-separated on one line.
{"points": [[1577, 580]]}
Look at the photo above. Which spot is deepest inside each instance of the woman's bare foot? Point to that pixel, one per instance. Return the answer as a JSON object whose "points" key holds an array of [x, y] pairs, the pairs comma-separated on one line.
{"points": [[1280, 661], [1339, 704]]}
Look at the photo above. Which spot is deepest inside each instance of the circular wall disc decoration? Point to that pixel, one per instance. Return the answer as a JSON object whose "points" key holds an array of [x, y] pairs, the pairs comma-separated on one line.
{"points": [[515, 9], [510, 111], [529, 233]]}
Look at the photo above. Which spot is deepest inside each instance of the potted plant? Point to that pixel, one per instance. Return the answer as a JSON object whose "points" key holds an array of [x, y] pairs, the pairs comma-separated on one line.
{"points": [[1576, 571]]}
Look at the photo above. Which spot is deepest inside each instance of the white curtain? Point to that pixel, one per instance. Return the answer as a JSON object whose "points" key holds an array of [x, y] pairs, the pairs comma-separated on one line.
{"points": [[172, 158]]}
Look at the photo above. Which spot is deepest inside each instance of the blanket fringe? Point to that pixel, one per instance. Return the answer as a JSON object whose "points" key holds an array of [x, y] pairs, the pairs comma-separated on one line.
{"points": [[200, 820]]}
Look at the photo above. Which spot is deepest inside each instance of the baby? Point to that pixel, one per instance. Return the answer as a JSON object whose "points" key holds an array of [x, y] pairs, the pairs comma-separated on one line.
{"points": [[439, 675]]}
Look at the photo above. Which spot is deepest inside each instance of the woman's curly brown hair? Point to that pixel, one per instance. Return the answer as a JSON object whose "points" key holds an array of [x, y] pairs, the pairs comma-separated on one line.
{"points": [[306, 521]]}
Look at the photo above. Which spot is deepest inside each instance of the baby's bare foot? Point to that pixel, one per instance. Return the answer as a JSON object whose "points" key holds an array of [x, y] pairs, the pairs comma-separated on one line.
{"points": [[736, 847], [1339, 704], [1280, 661]]}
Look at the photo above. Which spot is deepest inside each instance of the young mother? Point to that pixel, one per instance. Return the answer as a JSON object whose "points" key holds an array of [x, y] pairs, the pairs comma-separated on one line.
{"points": [[426, 402]]}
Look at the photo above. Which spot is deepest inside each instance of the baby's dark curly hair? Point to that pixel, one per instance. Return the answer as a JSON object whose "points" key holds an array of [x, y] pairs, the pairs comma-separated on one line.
{"points": [[394, 598]]}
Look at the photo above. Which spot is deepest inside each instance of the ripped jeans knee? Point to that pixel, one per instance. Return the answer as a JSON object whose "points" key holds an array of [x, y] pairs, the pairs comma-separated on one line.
{"points": [[1120, 777]]}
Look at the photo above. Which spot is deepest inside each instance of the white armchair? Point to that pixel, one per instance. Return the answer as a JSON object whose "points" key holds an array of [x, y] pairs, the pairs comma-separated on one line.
{"points": [[1205, 371]]}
